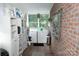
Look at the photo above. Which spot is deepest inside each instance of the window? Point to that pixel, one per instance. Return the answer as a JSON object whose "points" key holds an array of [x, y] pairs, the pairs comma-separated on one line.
{"points": [[43, 21], [33, 22]]}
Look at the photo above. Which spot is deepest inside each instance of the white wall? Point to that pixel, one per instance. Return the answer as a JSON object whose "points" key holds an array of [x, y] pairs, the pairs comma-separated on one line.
{"points": [[5, 37]]}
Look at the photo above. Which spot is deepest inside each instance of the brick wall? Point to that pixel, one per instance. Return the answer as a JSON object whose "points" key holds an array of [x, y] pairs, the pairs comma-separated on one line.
{"points": [[69, 42]]}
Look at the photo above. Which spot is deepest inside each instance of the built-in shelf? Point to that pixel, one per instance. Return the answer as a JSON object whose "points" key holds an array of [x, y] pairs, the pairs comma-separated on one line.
{"points": [[18, 38], [12, 17], [13, 25]]}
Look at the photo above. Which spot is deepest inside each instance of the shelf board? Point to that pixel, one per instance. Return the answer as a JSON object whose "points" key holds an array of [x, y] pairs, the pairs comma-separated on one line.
{"points": [[13, 25], [12, 17]]}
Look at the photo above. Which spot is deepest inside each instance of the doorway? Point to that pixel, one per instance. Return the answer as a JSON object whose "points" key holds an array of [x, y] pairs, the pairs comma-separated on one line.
{"points": [[38, 25]]}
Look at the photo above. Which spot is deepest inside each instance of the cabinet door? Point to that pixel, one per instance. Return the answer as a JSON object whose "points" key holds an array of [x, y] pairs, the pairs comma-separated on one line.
{"points": [[15, 37], [15, 42], [15, 47], [42, 36], [33, 34]]}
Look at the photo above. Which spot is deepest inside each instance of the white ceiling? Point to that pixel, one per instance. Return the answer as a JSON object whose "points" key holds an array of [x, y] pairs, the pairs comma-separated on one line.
{"points": [[33, 8], [39, 8]]}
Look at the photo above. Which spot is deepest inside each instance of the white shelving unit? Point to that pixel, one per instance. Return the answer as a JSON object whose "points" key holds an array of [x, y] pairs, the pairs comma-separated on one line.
{"points": [[19, 40], [15, 22], [10, 40]]}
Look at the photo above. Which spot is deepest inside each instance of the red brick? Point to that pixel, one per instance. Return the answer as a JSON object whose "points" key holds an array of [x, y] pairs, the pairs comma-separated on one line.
{"points": [[69, 35]]}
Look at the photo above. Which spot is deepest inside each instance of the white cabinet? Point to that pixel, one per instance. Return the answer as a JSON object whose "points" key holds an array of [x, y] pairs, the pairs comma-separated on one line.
{"points": [[15, 23], [33, 35], [39, 36], [42, 36], [23, 37]]}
